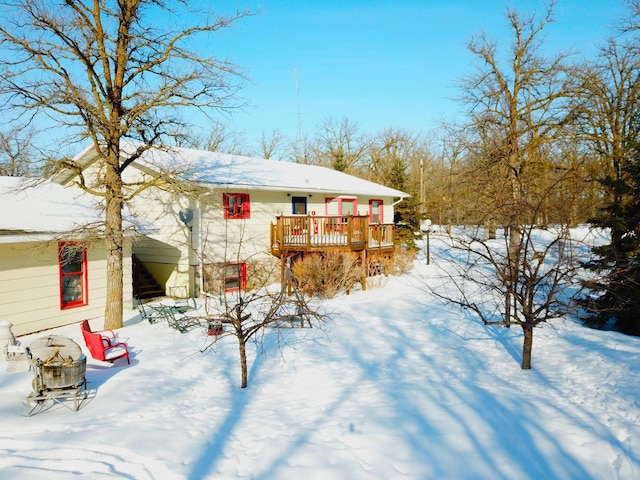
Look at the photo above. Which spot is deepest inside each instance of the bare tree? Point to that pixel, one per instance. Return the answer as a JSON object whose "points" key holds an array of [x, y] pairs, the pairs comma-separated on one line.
{"points": [[545, 288], [518, 111], [446, 194], [271, 144], [246, 310], [16, 152], [631, 21], [109, 71], [302, 151], [517, 108], [223, 139], [386, 150], [248, 314], [340, 145]]}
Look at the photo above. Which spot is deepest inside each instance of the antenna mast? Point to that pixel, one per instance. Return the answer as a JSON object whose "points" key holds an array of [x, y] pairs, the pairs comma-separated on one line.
{"points": [[295, 76]]}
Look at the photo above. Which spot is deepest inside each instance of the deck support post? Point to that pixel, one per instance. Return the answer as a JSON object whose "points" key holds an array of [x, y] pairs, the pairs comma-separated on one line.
{"points": [[288, 275], [282, 266], [363, 262]]}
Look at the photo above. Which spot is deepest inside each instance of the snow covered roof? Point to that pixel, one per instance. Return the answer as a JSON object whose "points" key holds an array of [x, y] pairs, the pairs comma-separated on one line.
{"points": [[31, 208], [28, 206], [226, 170]]}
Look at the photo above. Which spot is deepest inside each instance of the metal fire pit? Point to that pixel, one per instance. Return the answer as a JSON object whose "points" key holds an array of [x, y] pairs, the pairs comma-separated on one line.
{"points": [[59, 367]]}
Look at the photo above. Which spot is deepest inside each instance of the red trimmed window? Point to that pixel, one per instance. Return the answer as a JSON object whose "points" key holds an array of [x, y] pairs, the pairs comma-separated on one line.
{"points": [[72, 259], [236, 205], [341, 206], [376, 211], [235, 276]]}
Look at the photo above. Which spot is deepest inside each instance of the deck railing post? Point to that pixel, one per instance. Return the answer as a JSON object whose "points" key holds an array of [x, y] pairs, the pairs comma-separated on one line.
{"points": [[366, 235], [280, 230]]}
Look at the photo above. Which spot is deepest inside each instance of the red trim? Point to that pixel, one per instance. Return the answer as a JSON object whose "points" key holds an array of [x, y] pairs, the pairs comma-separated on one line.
{"points": [[236, 206], [81, 273], [380, 210], [240, 279], [328, 200]]}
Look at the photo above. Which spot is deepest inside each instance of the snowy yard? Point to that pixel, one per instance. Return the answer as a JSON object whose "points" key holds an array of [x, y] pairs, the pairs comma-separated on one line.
{"points": [[397, 385]]}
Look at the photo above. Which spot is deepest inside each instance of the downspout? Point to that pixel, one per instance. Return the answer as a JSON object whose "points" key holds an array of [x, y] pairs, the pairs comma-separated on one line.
{"points": [[198, 246], [393, 205], [398, 201]]}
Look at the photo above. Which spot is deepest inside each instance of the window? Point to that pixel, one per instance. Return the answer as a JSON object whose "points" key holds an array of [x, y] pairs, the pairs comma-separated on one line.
{"points": [[299, 205], [72, 258], [219, 278], [376, 211], [235, 276], [341, 206], [236, 205]]}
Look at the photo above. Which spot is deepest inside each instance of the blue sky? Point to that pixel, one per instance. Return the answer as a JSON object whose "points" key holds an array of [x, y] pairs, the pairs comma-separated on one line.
{"points": [[379, 63]]}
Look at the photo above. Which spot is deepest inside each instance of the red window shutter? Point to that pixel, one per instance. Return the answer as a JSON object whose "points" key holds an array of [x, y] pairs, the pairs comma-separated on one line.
{"points": [[246, 206], [243, 276], [225, 204]]}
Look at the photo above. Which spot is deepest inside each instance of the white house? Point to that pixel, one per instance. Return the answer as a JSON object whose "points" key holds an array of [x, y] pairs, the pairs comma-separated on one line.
{"points": [[225, 210]]}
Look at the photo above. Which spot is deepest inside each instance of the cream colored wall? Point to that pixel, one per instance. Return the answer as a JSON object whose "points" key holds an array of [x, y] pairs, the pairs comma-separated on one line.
{"points": [[167, 251], [234, 240], [173, 251], [238, 240], [30, 286]]}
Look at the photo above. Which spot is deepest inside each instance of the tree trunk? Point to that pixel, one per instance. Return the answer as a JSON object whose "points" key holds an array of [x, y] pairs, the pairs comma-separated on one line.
{"points": [[114, 240], [507, 307], [513, 270], [527, 345], [242, 345]]}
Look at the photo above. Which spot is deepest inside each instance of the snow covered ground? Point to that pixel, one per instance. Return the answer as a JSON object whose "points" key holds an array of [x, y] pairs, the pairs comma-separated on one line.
{"points": [[396, 385]]}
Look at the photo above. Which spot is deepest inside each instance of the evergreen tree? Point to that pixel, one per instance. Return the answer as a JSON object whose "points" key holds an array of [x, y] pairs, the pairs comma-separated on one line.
{"points": [[406, 214], [614, 297], [392, 155]]}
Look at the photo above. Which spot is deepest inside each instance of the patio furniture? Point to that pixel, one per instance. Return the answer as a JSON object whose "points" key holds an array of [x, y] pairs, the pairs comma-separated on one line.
{"points": [[183, 305], [103, 347], [187, 304], [147, 312], [181, 322]]}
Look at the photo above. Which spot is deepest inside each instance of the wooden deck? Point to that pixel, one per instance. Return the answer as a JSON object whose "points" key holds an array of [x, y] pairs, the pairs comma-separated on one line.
{"points": [[310, 233]]}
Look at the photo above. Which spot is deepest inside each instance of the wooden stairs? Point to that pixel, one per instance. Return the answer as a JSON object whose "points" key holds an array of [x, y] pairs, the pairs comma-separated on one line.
{"points": [[144, 284]]}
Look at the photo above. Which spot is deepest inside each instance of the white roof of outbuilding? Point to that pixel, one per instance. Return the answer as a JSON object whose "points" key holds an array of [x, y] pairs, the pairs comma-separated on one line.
{"points": [[226, 170], [44, 206], [32, 208]]}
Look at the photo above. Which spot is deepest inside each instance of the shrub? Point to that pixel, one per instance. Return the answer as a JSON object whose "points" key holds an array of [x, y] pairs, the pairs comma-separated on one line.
{"points": [[327, 274], [402, 261]]}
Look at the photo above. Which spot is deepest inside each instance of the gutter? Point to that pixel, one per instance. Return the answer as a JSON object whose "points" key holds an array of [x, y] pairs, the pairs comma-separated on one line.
{"points": [[399, 200]]}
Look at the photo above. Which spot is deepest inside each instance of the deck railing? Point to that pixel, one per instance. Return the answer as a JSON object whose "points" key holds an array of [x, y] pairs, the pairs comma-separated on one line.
{"points": [[311, 232]]}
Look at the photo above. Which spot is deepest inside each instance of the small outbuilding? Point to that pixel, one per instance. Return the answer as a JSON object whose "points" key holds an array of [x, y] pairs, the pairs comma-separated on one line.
{"points": [[52, 259]]}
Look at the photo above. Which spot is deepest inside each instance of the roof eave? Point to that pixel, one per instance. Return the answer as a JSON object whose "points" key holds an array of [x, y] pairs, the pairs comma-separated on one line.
{"points": [[285, 189]]}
